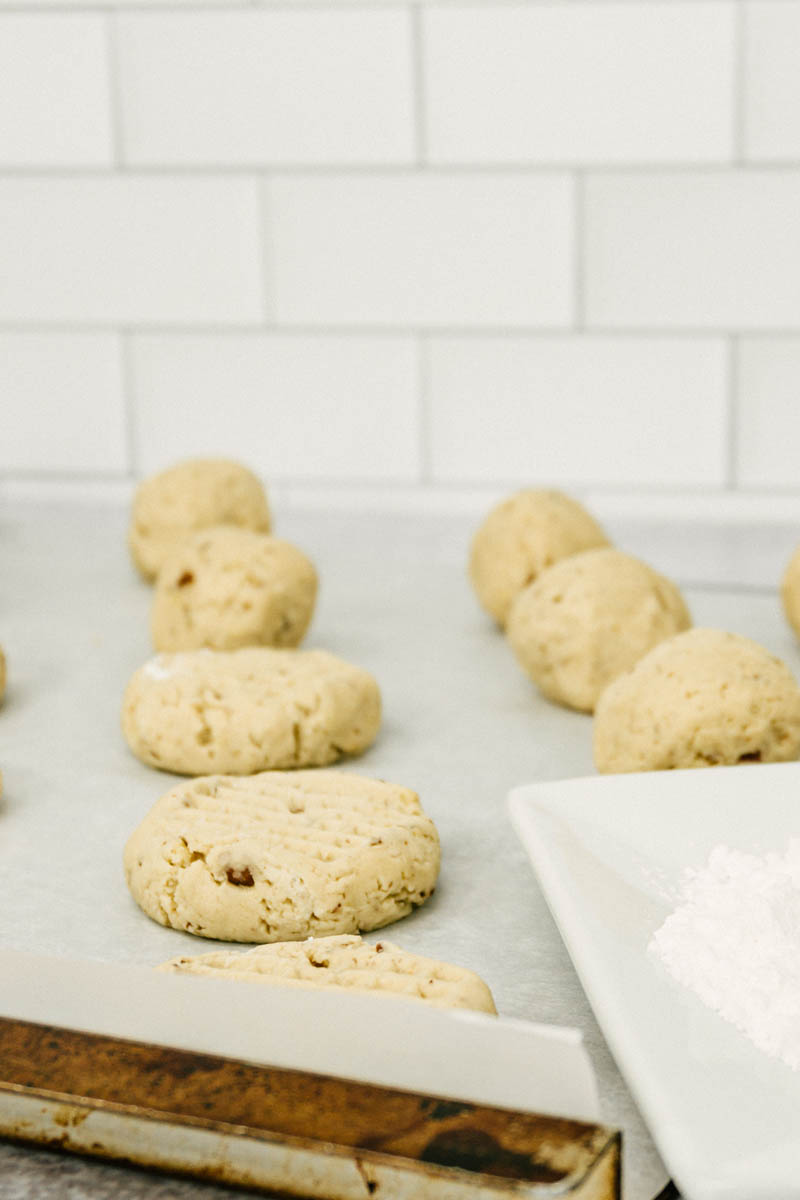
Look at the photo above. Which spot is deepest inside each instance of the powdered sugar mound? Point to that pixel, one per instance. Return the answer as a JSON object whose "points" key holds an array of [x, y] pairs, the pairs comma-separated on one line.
{"points": [[735, 941]]}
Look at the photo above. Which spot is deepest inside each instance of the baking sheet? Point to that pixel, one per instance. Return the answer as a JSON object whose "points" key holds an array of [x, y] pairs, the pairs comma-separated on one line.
{"points": [[414, 1047], [462, 726]]}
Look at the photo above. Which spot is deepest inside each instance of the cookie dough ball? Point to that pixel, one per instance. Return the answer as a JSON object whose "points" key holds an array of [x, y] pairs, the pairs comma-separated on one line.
{"points": [[190, 496], [282, 856], [226, 587], [704, 698], [248, 710], [520, 538], [344, 961], [588, 619], [790, 592]]}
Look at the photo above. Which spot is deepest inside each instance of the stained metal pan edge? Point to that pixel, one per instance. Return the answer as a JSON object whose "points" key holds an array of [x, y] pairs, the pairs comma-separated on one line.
{"points": [[284, 1131], [471, 1056]]}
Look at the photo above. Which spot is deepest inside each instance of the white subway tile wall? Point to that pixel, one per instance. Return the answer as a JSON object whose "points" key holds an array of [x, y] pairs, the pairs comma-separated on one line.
{"points": [[412, 248], [772, 101], [769, 380], [62, 403], [710, 250], [579, 83], [539, 408], [427, 250], [301, 407], [253, 87], [54, 89], [116, 249]]}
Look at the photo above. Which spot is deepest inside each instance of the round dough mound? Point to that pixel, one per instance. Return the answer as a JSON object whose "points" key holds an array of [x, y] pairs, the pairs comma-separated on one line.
{"points": [[520, 538], [790, 592], [248, 710], [280, 856], [589, 618], [702, 699], [344, 961], [226, 587], [190, 496]]}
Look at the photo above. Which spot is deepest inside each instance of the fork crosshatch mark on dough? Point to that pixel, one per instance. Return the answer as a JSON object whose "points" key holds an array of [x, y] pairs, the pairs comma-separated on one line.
{"points": [[345, 961], [248, 710], [282, 856]]}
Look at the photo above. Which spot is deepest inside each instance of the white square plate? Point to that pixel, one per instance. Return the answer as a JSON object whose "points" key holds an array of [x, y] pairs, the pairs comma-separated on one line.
{"points": [[609, 852]]}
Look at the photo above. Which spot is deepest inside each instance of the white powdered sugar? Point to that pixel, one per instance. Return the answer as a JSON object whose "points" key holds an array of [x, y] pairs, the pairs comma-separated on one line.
{"points": [[164, 666], [735, 940], [158, 668]]}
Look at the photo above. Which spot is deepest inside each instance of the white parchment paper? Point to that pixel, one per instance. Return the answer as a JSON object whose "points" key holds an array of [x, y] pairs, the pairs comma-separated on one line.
{"points": [[462, 726]]}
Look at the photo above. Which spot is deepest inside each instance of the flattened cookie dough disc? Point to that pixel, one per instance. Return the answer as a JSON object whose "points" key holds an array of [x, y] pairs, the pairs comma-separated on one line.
{"points": [[521, 537], [225, 588], [703, 698], [589, 618], [345, 961], [282, 856], [790, 592], [248, 710], [191, 496]]}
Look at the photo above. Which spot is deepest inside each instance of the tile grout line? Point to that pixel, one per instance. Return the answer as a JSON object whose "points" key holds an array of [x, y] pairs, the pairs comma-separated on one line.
{"points": [[419, 97], [579, 249], [475, 333], [501, 169], [441, 487], [116, 118], [732, 440], [424, 409], [739, 83], [266, 255], [53, 475], [173, 6]]}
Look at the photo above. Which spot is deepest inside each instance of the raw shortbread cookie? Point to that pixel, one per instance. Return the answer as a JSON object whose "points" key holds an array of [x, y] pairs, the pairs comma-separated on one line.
{"points": [[345, 961], [790, 592], [521, 537], [589, 618], [190, 496], [701, 699], [248, 710], [225, 587], [281, 856]]}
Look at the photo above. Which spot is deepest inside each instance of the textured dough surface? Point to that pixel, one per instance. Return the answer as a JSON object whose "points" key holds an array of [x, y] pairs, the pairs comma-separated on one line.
{"points": [[190, 496], [282, 856], [588, 619], [242, 711], [345, 961], [703, 698], [521, 537], [226, 587], [790, 592]]}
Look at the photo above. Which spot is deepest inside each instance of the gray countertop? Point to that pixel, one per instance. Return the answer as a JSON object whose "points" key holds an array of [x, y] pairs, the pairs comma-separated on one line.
{"points": [[462, 726]]}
